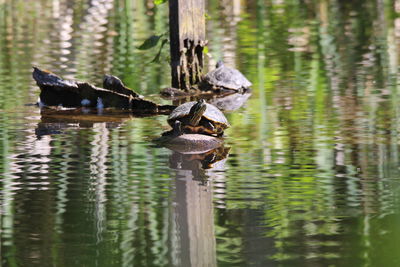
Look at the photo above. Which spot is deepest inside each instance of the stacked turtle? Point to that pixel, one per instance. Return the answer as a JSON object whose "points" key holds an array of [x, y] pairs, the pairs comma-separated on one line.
{"points": [[196, 128], [197, 118]]}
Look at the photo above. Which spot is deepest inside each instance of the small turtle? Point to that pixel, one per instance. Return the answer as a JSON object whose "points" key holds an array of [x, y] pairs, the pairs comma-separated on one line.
{"points": [[224, 77], [197, 117]]}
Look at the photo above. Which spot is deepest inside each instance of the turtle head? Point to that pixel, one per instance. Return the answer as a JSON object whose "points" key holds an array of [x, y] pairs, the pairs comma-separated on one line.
{"points": [[196, 112], [220, 63]]}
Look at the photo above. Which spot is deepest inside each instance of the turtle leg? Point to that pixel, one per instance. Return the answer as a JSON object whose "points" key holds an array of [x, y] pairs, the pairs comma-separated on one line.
{"points": [[209, 125], [177, 129], [168, 133], [220, 132], [216, 130]]}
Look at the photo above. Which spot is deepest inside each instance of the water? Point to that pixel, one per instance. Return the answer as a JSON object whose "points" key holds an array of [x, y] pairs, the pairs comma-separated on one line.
{"points": [[310, 171]]}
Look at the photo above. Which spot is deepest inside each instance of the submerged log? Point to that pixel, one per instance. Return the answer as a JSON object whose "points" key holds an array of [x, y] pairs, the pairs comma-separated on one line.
{"points": [[55, 91], [187, 41]]}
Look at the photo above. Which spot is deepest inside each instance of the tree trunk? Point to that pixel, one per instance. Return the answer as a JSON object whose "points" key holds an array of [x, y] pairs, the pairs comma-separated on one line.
{"points": [[187, 40]]}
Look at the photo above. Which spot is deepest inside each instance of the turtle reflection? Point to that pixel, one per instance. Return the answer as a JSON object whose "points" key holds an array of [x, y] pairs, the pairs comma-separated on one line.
{"points": [[230, 102], [198, 165]]}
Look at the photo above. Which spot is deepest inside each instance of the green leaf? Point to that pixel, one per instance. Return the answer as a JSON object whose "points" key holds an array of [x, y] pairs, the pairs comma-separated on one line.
{"points": [[157, 57], [150, 42], [159, 2]]}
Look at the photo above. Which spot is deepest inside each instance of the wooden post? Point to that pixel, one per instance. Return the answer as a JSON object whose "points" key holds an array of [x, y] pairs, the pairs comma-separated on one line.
{"points": [[187, 40]]}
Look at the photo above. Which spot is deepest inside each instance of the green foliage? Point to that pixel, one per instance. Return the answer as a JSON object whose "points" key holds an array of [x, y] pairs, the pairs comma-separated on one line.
{"points": [[150, 42], [159, 2], [157, 57], [205, 50]]}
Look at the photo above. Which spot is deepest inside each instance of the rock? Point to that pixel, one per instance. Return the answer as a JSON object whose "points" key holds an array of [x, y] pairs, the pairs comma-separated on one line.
{"points": [[190, 143]]}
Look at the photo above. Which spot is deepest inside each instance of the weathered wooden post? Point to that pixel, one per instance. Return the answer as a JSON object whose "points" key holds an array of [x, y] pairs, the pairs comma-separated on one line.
{"points": [[187, 40]]}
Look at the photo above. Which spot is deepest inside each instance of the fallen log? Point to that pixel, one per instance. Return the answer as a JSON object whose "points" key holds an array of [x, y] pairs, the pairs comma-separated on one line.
{"points": [[54, 91]]}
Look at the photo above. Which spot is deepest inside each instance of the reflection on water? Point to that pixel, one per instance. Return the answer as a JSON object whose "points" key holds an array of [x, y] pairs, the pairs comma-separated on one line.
{"points": [[312, 175]]}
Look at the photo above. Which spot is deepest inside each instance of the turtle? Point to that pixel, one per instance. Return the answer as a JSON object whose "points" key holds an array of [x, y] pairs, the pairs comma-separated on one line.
{"points": [[197, 117], [227, 78]]}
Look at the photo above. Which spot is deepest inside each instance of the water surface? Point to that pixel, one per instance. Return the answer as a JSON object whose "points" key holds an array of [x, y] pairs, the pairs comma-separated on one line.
{"points": [[311, 173]]}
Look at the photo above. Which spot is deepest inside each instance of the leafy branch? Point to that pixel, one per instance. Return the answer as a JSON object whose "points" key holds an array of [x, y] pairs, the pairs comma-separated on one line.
{"points": [[153, 41]]}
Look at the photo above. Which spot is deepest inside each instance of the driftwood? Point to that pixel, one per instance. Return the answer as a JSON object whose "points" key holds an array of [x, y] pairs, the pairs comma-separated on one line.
{"points": [[55, 91]]}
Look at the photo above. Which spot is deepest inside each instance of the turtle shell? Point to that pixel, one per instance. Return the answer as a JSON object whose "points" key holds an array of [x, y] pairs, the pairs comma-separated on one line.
{"points": [[227, 77], [212, 114]]}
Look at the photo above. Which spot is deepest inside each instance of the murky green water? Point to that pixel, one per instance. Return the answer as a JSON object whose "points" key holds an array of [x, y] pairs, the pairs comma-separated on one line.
{"points": [[312, 177]]}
